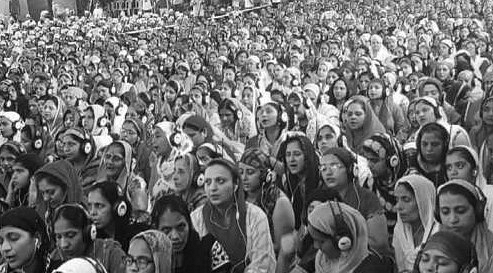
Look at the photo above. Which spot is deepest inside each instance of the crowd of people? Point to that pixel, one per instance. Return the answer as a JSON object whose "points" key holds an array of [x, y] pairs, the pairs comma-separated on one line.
{"points": [[298, 136]]}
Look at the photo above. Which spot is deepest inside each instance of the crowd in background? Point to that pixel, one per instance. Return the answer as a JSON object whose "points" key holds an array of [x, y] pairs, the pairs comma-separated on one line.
{"points": [[292, 136]]}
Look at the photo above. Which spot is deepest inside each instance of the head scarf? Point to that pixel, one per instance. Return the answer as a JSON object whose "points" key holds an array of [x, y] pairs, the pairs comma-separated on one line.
{"points": [[452, 246], [323, 219], [80, 265], [371, 124], [120, 111], [57, 123], [161, 249], [126, 174], [29, 220], [98, 112], [14, 117], [86, 138], [326, 123], [403, 241]]}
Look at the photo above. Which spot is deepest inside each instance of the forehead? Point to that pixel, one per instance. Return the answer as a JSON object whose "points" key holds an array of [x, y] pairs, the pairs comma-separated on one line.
{"points": [[139, 247], [217, 170], [330, 158]]}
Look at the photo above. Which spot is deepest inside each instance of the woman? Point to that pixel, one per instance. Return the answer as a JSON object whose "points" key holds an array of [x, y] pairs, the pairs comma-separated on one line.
{"points": [[53, 110], [186, 181], [462, 162], [117, 164], [11, 125], [274, 122], [338, 172], [111, 212], [23, 170], [242, 229], [76, 237], [79, 149], [150, 251], [24, 241], [360, 121], [9, 152], [208, 151], [339, 93], [481, 131], [389, 114], [259, 182], [72, 118], [460, 209], [340, 234], [56, 183], [301, 176], [134, 133], [447, 251], [432, 145], [170, 215], [236, 121], [95, 122], [415, 222], [427, 111]]}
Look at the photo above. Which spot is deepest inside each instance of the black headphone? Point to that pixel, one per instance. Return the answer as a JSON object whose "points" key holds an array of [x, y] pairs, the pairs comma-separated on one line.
{"points": [[177, 138], [120, 208], [235, 109], [392, 149], [343, 237], [18, 125], [89, 230], [86, 146], [480, 206]]}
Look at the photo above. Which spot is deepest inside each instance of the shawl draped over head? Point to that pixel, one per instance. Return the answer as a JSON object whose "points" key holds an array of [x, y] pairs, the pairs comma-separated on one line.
{"points": [[481, 237], [14, 117], [98, 112], [161, 249], [322, 218], [57, 122], [403, 241], [125, 175], [80, 265], [371, 124]]}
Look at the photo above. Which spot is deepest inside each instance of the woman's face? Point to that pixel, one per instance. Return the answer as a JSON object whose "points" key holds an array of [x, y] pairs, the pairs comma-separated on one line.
{"points": [[295, 158], [250, 177], [247, 98], [456, 213], [17, 246], [71, 147], [100, 209], [432, 259], [218, 185], [326, 139], [175, 226], [20, 177], [459, 168], [129, 134], [355, 116], [375, 91], [331, 77], [431, 147], [49, 110], [322, 71], [324, 243], [487, 112], [160, 143], [88, 120], [69, 120], [139, 250], [69, 239], [406, 205], [424, 113], [227, 117], [268, 116], [52, 194], [443, 72], [114, 161], [170, 93], [181, 175], [340, 90], [6, 128], [333, 172]]}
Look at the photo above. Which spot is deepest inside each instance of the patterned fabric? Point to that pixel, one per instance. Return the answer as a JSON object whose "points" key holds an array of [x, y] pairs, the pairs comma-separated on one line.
{"points": [[161, 248]]}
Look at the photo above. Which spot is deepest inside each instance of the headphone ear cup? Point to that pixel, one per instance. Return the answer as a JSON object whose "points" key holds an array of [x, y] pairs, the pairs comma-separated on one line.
{"points": [[344, 243], [393, 161], [103, 122], [91, 233], [121, 208], [87, 147]]}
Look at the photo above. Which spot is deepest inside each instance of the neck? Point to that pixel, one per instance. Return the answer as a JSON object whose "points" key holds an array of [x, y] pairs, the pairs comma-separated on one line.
{"points": [[223, 208], [343, 192], [110, 230], [416, 225], [32, 266], [272, 133], [251, 196]]}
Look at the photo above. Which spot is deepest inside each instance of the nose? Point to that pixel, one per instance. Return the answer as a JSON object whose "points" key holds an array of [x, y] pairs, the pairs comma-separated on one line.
{"points": [[398, 206], [46, 197], [63, 243], [5, 247], [428, 266], [173, 235]]}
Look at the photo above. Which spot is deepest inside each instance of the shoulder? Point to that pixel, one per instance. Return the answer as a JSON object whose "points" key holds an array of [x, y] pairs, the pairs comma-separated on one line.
{"points": [[375, 263]]}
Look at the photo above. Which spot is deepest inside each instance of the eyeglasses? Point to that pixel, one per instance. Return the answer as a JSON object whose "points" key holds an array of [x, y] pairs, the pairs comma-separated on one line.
{"points": [[141, 262], [331, 166]]}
